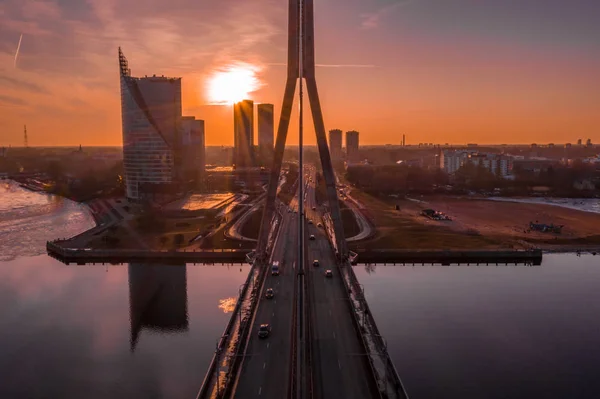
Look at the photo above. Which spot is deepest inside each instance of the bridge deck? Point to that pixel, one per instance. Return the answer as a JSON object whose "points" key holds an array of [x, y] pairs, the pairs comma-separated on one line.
{"points": [[340, 366], [266, 365]]}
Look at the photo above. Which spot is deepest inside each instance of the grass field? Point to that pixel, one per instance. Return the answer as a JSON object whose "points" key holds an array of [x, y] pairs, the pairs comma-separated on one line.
{"points": [[399, 230]]}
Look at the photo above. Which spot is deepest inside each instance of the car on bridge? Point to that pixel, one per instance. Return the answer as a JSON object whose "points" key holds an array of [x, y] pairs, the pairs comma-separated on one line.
{"points": [[270, 293], [328, 273], [316, 262], [312, 237], [314, 208], [310, 221], [320, 225], [275, 269], [264, 330]]}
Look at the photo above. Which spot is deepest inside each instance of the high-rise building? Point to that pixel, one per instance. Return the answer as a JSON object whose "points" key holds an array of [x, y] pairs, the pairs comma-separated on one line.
{"points": [[578, 141], [151, 122], [243, 134], [335, 144], [352, 154], [265, 128], [193, 148]]}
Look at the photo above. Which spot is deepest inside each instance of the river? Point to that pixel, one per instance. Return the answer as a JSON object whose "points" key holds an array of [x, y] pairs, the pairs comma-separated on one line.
{"points": [[139, 331], [124, 331]]}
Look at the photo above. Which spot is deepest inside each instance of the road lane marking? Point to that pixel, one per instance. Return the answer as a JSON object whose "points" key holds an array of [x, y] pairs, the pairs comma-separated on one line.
{"points": [[259, 391], [334, 335], [339, 365], [264, 365], [329, 312], [268, 345], [273, 313]]}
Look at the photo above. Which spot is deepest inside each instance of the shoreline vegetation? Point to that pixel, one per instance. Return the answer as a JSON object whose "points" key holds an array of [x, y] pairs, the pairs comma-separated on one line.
{"points": [[475, 222]]}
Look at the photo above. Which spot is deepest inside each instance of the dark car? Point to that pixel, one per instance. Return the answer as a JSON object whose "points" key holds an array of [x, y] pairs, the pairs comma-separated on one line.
{"points": [[270, 293], [312, 237], [328, 273], [264, 330], [316, 262]]}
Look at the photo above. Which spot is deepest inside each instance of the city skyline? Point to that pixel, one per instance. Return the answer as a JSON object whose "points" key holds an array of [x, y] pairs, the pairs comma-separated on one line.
{"points": [[490, 73]]}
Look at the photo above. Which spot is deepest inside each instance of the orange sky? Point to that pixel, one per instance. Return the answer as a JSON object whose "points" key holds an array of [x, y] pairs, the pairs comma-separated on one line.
{"points": [[469, 71]]}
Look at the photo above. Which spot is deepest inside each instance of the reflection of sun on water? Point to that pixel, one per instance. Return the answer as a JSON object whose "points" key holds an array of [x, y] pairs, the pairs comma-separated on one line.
{"points": [[227, 304], [233, 83]]}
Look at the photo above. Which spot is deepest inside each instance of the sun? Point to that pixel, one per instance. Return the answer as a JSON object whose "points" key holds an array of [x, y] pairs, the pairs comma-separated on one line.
{"points": [[233, 83]]}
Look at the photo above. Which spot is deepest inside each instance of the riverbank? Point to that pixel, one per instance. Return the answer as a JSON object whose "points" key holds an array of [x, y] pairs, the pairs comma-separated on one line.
{"points": [[477, 223]]}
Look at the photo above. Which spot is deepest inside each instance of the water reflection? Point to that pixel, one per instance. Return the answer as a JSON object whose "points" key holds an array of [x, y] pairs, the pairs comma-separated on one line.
{"points": [[157, 299], [227, 304]]}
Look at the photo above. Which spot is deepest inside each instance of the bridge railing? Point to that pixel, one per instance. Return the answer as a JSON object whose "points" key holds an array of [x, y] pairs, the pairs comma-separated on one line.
{"points": [[372, 340], [375, 343], [208, 384]]}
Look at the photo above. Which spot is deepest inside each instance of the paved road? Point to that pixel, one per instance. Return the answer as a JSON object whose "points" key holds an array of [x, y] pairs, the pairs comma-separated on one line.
{"points": [[339, 367], [266, 367]]}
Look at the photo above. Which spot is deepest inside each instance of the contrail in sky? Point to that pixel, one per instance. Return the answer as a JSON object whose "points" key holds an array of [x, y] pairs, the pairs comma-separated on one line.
{"points": [[18, 48]]}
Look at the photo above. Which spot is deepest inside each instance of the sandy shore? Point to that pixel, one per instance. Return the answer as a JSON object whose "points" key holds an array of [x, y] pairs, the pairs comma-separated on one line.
{"points": [[511, 220]]}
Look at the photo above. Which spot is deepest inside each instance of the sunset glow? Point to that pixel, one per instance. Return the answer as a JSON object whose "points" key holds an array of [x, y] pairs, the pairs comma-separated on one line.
{"points": [[232, 83]]}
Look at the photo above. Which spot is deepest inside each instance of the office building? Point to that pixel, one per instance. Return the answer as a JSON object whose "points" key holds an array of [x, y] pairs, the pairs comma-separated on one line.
{"points": [[151, 123], [243, 134], [352, 153], [193, 148], [335, 144], [265, 129]]}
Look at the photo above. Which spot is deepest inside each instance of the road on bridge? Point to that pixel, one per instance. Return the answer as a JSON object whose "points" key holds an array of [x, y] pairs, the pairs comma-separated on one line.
{"points": [[339, 367], [266, 365]]}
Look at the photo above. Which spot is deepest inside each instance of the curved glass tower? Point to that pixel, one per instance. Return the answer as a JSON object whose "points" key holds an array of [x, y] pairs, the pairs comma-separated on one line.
{"points": [[151, 114]]}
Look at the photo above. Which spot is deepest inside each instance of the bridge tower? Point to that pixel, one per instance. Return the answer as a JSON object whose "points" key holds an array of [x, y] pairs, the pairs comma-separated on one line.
{"points": [[301, 54], [25, 141]]}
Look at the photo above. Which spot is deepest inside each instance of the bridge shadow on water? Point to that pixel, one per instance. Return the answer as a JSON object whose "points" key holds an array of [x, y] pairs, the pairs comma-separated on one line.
{"points": [[157, 299]]}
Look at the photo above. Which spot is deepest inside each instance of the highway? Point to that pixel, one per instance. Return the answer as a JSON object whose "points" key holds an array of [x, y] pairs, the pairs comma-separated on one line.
{"points": [[340, 368], [265, 369]]}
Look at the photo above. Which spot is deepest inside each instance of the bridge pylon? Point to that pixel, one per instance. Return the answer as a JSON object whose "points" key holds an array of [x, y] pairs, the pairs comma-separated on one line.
{"points": [[301, 54]]}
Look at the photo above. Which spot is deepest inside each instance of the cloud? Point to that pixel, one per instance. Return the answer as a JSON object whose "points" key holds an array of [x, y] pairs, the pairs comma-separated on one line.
{"points": [[21, 84], [11, 101], [372, 20]]}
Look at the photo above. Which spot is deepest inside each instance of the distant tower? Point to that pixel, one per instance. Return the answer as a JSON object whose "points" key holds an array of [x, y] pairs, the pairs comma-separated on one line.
{"points": [[25, 141], [352, 154], [265, 129], [404, 140], [335, 144], [579, 142], [243, 133]]}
